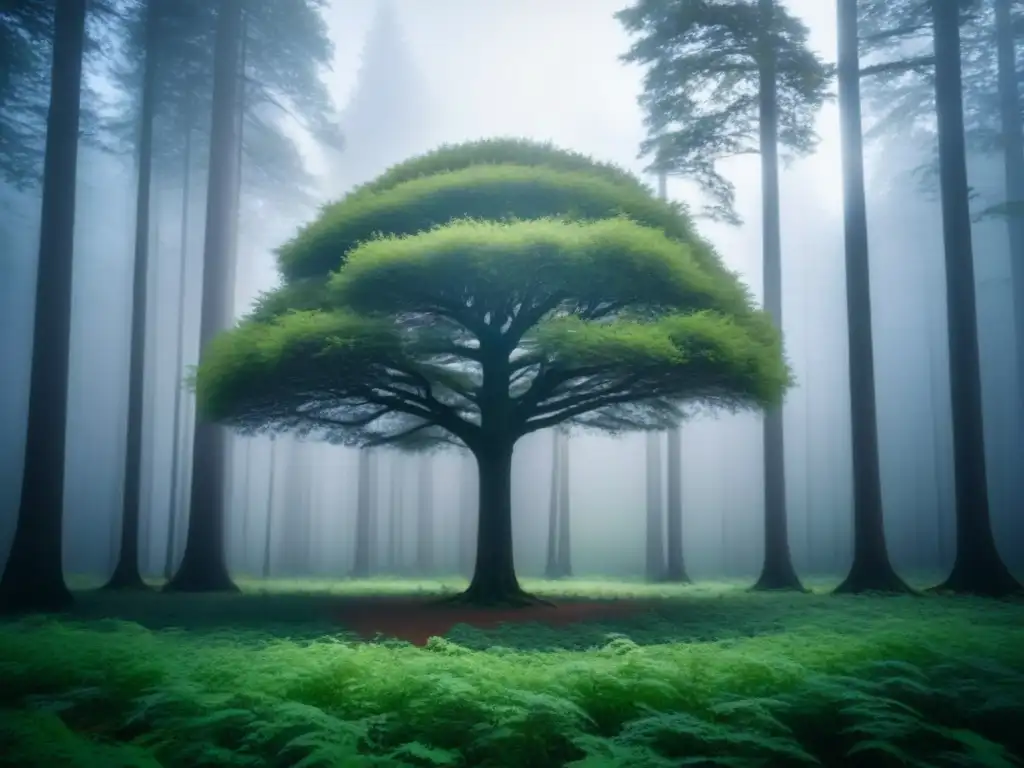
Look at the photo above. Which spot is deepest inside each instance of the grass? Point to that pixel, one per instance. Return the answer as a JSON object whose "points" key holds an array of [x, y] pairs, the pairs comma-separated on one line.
{"points": [[712, 676]]}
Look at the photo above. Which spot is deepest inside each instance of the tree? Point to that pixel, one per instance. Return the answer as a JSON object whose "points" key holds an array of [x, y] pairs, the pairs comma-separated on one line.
{"points": [[126, 573], [269, 522], [978, 567], [33, 577], [566, 294], [675, 568], [724, 79], [366, 482], [871, 568], [559, 560], [551, 566], [203, 566], [654, 551]]}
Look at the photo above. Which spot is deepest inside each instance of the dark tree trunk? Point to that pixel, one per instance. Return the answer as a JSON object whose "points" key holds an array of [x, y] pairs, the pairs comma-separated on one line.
{"points": [[564, 521], [243, 559], [204, 567], [871, 568], [978, 568], [179, 364], [33, 577], [494, 579], [126, 574], [361, 560], [425, 515], [675, 570], [551, 565], [269, 522], [654, 560], [777, 571]]}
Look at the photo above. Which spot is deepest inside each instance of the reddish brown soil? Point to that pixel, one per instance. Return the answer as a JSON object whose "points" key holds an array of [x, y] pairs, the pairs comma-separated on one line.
{"points": [[418, 619]]}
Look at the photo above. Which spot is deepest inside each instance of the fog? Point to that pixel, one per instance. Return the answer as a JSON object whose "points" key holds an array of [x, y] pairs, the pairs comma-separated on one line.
{"points": [[408, 76]]}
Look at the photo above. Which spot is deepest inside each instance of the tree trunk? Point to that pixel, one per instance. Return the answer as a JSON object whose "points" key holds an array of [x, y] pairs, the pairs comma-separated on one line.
{"points": [[551, 566], [269, 524], [391, 560], [777, 571], [243, 559], [871, 569], [655, 552], [978, 568], [204, 567], [425, 516], [564, 521], [126, 574], [494, 579], [33, 577], [675, 570], [179, 363], [361, 560]]}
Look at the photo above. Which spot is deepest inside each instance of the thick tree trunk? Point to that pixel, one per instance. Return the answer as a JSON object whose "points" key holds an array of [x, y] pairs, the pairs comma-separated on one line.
{"points": [[33, 577], [978, 568], [425, 516], [564, 520], [654, 560], [871, 568], [361, 559], [675, 569], [204, 566], [126, 574], [269, 521], [551, 564], [777, 571], [494, 579]]}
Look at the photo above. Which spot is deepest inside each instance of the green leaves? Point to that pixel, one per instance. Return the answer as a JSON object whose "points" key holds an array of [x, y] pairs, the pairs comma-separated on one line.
{"points": [[702, 81]]}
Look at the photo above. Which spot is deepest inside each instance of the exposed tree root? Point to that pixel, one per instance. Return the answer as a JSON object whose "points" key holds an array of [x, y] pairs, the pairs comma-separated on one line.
{"points": [[126, 580], [779, 580], [480, 598], [991, 578], [879, 578], [195, 580]]}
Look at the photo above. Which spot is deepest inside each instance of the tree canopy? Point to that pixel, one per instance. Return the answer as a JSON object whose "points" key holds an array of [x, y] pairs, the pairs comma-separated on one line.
{"points": [[485, 291], [700, 94]]}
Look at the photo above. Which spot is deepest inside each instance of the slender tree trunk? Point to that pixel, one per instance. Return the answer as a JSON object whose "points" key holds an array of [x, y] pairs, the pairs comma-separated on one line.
{"points": [[126, 573], [777, 571], [425, 516], [469, 514], [33, 577], [204, 567], [675, 570], [655, 550], [243, 559], [551, 566], [361, 560], [871, 568], [978, 568], [179, 362], [396, 491], [269, 525], [564, 520]]}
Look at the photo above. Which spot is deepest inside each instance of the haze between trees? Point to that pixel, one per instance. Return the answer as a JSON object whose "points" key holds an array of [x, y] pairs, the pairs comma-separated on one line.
{"points": [[482, 292]]}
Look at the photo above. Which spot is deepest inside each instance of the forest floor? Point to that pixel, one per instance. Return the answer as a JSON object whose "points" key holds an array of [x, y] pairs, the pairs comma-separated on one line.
{"points": [[372, 673]]}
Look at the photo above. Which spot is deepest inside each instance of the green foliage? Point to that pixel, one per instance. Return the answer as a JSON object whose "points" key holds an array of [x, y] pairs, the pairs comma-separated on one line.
{"points": [[721, 678], [472, 270], [700, 96]]}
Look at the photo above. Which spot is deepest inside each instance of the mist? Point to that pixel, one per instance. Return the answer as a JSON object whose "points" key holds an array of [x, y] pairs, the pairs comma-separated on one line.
{"points": [[406, 77]]}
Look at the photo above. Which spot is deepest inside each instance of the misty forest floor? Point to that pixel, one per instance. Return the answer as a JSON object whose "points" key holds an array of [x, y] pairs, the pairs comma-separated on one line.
{"points": [[314, 674]]}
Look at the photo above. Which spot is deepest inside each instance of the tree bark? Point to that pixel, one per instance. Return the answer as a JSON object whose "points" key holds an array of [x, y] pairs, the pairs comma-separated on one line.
{"points": [[204, 567], [551, 565], [33, 577], [564, 521], [978, 567], [777, 571], [871, 569], [269, 522], [126, 574], [654, 560], [425, 516], [675, 569], [361, 560]]}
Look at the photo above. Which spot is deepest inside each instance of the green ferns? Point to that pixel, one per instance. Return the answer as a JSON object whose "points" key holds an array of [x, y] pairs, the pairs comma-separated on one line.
{"points": [[823, 681]]}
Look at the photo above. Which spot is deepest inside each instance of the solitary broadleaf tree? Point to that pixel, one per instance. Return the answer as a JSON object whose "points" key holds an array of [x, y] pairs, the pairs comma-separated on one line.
{"points": [[482, 292]]}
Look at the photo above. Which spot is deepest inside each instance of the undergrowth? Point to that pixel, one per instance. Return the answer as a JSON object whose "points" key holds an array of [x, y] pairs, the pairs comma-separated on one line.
{"points": [[807, 680]]}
